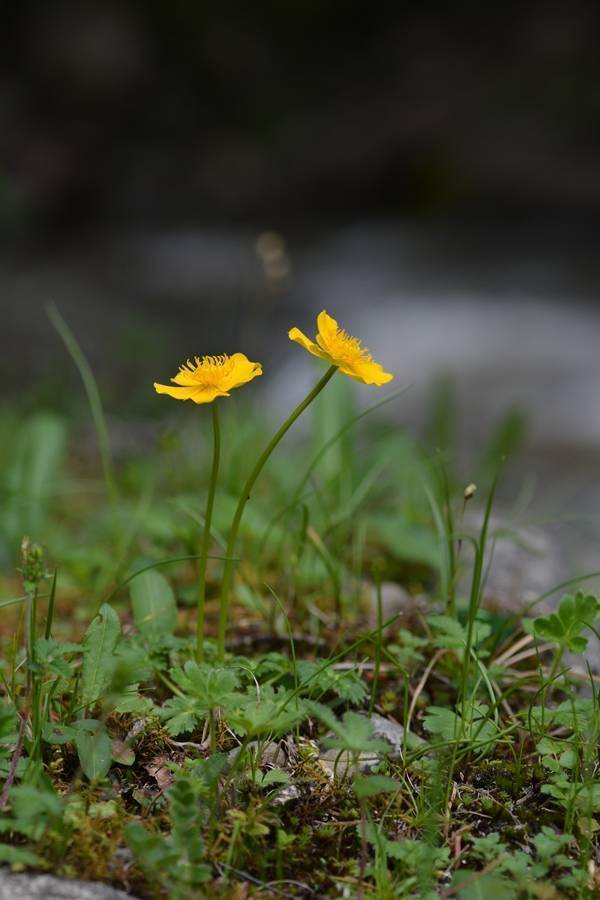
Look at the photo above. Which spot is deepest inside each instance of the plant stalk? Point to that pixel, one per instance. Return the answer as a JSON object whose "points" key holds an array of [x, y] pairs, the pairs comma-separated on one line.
{"points": [[245, 496], [202, 562]]}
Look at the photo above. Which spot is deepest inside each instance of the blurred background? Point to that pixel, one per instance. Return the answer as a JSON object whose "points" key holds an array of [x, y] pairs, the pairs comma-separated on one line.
{"points": [[186, 178]]}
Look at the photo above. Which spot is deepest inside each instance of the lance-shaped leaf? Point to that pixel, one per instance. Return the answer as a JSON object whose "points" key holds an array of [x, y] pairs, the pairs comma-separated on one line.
{"points": [[99, 645], [153, 603]]}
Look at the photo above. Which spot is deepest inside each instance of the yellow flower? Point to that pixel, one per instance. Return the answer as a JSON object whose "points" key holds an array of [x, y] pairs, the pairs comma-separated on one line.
{"points": [[210, 377], [338, 348]]}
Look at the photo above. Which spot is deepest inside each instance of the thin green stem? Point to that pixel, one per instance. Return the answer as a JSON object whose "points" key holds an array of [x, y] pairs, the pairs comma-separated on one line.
{"points": [[475, 597], [245, 496], [93, 395], [33, 685], [202, 562], [50, 611], [378, 643]]}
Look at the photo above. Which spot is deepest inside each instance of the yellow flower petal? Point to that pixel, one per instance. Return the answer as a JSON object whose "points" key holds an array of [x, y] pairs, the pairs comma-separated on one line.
{"points": [[242, 372], [204, 379], [340, 349], [368, 372], [327, 328], [296, 335], [198, 394]]}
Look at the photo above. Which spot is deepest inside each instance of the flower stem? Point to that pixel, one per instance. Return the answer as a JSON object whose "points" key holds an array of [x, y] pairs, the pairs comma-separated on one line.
{"points": [[210, 501], [245, 496]]}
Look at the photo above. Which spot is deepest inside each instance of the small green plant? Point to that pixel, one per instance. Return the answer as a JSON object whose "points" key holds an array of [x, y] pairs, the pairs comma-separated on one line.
{"points": [[575, 614], [176, 862]]}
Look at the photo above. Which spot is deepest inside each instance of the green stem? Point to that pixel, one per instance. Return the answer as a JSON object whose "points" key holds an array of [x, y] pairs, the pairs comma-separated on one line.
{"points": [[475, 598], [93, 396], [33, 691], [202, 562], [379, 640], [245, 496]]}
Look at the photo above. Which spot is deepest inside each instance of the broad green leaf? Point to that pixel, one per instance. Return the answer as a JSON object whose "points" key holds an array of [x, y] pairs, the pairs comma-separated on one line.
{"points": [[18, 856], [55, 733], [153, 603], [407, 540], [34, 805], [32, 475], [99, 645], [273, 776], [95, 753], [371, 785], [483, 887]]}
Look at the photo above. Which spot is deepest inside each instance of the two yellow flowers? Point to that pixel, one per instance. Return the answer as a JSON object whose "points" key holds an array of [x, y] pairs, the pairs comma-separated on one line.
{"points": [[209, 377]]}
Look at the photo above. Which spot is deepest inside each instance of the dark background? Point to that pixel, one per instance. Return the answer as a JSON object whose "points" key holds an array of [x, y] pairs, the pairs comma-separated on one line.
{"points": [[179, 111], [184, 177]]}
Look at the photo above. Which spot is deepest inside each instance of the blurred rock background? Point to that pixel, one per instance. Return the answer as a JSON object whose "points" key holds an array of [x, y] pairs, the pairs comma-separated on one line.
{"points": [[184, 177]]}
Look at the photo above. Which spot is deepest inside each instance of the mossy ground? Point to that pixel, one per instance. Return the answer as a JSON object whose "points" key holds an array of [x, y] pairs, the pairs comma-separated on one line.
{"points": [[495, 790]]}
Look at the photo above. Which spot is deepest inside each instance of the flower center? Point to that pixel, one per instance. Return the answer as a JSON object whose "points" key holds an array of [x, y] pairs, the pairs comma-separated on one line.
{"points": [[347, 348], [208, 370]]}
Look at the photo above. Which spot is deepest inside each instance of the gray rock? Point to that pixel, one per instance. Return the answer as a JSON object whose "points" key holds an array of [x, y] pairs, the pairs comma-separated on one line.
{"points": [[287, 794], [46, 887], [395, 601], [339, 764], [273, 753], [526, 563], [390, 731]]}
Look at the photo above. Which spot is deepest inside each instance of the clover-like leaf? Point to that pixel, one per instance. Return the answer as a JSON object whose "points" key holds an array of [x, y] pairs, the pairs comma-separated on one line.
{"points": [[476, 726], [353, 733], [181, 714], [211, 686], [565, 626], [253, 717]]}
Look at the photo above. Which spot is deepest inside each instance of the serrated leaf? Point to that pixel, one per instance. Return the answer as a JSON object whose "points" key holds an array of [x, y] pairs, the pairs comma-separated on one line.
{"points": [[476, 726], [314, 679], [99, 646], [258, 717], [565, 626], [182, 714], [211, 686], [153, 604], [353, 733], [442, 721]]}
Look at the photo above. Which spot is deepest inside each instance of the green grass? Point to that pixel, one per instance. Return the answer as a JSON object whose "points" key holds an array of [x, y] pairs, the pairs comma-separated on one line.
{"points": [[125, 760]]}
